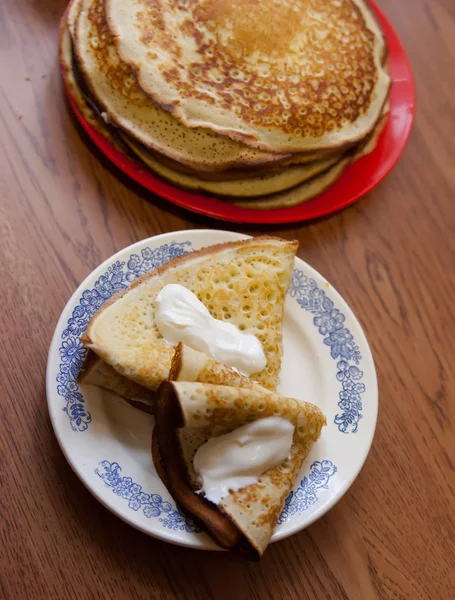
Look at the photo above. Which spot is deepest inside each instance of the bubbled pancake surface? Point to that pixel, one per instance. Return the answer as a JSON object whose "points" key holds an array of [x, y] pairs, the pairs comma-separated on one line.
{"points": [[212, 410], [283, 75], [244, 283], [318, 184], [113, 84]]}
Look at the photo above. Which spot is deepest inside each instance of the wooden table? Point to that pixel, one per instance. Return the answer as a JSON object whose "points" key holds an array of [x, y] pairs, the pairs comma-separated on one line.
{"points": [[392, 256]]}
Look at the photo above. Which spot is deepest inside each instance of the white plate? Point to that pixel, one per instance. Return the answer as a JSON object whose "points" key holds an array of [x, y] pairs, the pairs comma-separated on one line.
{"points": [[326, 361]]}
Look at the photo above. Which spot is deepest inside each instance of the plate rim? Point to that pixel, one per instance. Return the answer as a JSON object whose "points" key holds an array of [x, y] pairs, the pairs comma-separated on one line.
{"points": [[162, 533]]}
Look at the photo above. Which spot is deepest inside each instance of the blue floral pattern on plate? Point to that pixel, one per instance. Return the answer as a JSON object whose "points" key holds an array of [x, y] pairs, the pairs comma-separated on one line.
{"points": [[306, 494], [330, 323], [72, 352], [152, 505]]}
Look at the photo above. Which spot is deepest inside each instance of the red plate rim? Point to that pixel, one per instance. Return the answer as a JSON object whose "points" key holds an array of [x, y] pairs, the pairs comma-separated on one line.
{"points": [[358, 179]]}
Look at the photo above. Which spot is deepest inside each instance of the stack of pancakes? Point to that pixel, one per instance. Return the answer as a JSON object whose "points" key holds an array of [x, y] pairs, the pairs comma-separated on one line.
{"points": [[263, 104]]}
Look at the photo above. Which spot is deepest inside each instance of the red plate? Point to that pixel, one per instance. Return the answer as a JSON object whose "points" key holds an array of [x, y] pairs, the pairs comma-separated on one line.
{"points": [[356, 181]]}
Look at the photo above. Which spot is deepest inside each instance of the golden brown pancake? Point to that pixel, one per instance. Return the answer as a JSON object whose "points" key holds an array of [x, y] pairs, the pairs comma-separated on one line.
{"points": [[66, 63], [113, 85], [284, 76], [187, 415], [243, 282], [98, 373], [187, 365], [285, 182], [73, 80], [251, 187], [263, 179], [192, 366], [317, 185]]}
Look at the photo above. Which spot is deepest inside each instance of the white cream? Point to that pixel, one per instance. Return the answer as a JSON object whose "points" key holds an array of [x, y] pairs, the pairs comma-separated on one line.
{"points": [[181, 317], [239, 458]]}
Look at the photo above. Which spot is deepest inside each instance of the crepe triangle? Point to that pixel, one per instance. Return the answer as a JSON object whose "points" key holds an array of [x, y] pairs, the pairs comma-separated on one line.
{"points": [[243, 282]]}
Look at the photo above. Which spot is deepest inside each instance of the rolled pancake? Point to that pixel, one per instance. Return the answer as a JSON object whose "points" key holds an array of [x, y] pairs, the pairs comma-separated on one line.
{"points": [[244, 283], [187, 415]]}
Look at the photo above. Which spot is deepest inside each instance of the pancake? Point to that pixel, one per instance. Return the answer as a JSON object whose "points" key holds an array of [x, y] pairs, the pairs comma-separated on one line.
{"points": [[96, 372], [245, 172], [261, 185], [66, 63], [299, 194], [187, 365], [88, 108], [244, 283], [371, 144], [290, 76], [73, 81], [316, 186], [302, 193], [187, 415], [274, 179], [192, 366], [113, 86]]}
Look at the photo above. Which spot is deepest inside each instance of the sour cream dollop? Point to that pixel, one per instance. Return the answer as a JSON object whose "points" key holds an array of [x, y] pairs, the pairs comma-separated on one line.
{"points": [[237, 459], [181, 317]]}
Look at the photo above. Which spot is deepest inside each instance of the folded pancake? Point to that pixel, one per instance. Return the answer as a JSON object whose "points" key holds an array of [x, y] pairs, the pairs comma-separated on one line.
{"points": [[98, 373], [189, 414], [281, 76], [192, 366], [243, 283], [187, 365]]}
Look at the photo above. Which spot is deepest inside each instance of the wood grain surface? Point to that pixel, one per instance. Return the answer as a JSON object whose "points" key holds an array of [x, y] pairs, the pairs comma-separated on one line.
{"points": [[64, 209]]}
